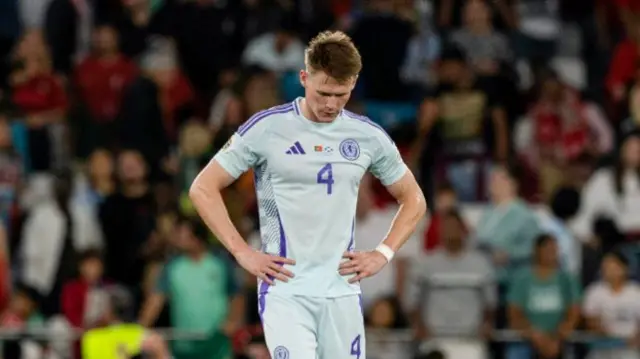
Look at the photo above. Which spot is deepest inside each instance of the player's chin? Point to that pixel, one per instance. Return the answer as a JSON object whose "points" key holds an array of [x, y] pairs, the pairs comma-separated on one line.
{"points": [[327, 117]]}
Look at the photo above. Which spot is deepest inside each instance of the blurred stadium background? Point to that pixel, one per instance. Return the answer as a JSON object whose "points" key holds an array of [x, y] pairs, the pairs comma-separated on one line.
{"points": [[519, 117]]}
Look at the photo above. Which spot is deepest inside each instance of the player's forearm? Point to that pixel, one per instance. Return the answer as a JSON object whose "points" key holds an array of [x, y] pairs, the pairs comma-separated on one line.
{"points": [[412, 207], [208, 201]]}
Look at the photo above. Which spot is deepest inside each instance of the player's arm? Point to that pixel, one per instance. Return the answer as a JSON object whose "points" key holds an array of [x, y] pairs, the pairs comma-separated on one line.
{"points": [[234, 159], [412, 208], [391, 170], [206, 195]]}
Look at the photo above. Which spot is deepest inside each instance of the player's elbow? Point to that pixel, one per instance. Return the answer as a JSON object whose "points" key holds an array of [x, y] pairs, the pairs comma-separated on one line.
{"points": [[421, 204]]}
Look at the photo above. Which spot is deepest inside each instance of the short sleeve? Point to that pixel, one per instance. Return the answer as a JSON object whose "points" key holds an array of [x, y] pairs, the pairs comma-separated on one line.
{"points": [[575, 293], [388, 165], [163, 284], [517, 293], [241, 151], [591, 305]]}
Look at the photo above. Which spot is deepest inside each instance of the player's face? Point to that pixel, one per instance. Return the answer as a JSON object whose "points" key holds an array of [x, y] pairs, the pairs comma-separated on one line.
{"points": [[325, 96]]}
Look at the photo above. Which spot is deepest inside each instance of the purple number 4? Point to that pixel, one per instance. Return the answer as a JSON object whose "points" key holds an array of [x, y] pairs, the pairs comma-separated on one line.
{"points": [[325, 176], [355, 347]]}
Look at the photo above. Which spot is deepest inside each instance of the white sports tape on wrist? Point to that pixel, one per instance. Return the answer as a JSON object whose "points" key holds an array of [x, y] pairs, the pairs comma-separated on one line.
{"points": [[386, 251]]}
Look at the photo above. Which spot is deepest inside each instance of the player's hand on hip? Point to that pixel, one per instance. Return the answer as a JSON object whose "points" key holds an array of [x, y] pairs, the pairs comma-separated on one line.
{"points": [[364, 264], [265, 266]]}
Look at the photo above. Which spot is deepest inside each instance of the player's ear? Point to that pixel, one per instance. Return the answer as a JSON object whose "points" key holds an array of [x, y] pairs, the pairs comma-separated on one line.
{"points": [[304, 75]]}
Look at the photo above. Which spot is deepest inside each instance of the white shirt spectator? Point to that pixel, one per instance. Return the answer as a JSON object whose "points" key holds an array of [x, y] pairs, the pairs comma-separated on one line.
{"points": [[619, 313], [599, 198], [261, 51]]}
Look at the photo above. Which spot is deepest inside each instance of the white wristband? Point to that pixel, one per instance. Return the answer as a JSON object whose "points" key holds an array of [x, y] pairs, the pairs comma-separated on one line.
{"points": [[386, 251]]}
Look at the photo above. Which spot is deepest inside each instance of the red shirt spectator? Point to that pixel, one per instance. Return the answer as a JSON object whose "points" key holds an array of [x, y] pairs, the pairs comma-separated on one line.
{"points": [[103, 76], [101, 83], [622, 68], [175, 96], [41, 93]]}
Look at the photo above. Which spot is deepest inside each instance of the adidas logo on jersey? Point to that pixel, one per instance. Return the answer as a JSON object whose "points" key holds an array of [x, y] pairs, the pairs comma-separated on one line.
{"points": [[296, 149]]}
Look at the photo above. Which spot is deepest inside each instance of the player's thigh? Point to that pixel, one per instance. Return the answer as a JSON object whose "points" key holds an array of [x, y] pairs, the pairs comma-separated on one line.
{"points": [[289, 327], [341, 331]]}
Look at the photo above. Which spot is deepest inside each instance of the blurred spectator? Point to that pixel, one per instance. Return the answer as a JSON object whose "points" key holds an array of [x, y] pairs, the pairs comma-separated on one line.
{"points": [[420, 62], [508, 227], [84, 298], [446, 201], [384, 315], [277, 51], [194, 146], [631, 106], [460, 117], [561, 127], [119, 339], [622, 67], [155, 105], [67, 26], [128, 218], [137, 21], [371, 223], [98, 181], [101, 80], [539, 30], [449, 14], [613, 193], [384, 53], [10, 29], [69, 228], [564, 206], [544, 304], [456, 293], [485, 49], [22, 313], [39, 95], [32, 13], [612, 310], [11, 175], [201, 289]]}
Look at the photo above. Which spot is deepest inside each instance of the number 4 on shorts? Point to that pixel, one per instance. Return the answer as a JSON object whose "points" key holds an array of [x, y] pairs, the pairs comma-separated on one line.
{"points": [[355, 347]]}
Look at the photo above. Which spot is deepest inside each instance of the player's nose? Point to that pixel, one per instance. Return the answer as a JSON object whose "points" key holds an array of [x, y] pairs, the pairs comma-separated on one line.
{"points": [[332, 103]]}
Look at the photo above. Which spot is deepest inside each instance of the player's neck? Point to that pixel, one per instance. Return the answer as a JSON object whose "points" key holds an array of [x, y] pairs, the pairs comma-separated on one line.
{"points": [[306, 111]]}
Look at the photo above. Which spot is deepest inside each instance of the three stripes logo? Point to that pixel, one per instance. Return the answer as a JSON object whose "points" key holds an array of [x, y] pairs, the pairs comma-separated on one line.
{"points": [[296, 149]]}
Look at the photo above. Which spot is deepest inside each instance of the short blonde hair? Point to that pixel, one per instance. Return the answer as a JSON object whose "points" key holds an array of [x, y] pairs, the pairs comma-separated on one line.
{"points": [[333, 53]]}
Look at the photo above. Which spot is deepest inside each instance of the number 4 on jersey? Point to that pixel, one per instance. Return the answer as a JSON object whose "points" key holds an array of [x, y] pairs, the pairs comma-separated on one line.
{"points": [[325, 176], [355, 347]]}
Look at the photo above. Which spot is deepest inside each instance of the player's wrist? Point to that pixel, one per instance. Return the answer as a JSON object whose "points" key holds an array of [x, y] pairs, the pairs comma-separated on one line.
{"points": [[386, 251]]}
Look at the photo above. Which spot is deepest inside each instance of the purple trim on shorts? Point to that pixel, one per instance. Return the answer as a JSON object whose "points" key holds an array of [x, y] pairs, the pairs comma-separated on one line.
{"points": [[242, 130], [366, 120], [360, 302], [261, 304]]}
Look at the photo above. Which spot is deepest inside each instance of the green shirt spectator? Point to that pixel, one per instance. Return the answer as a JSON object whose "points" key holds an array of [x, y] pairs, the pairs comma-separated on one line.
{"points": [[201, 288], [508, 228], [544, 301]]}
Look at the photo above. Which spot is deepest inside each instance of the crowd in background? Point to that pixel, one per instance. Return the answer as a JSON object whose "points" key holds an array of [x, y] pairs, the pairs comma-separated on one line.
{"points": [[519, 118]]}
